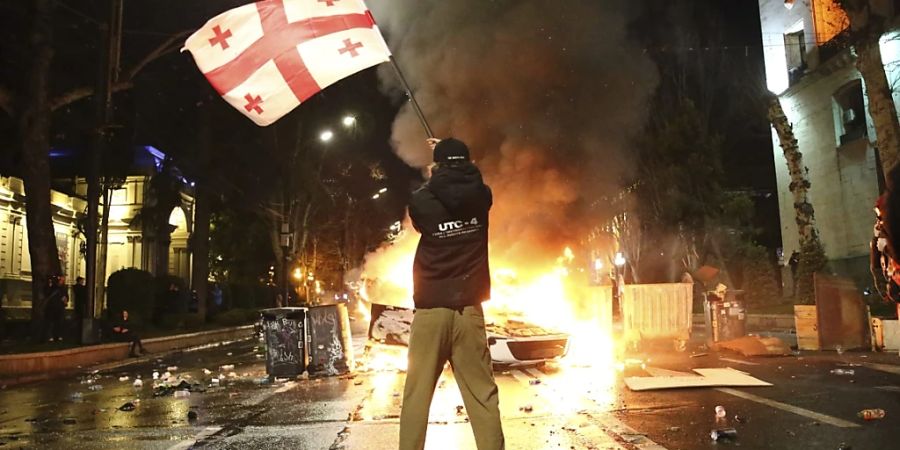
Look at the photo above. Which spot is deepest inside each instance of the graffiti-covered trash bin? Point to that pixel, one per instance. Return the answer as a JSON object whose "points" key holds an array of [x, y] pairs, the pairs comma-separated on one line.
{"points": [[285, 333], [330, 345]]}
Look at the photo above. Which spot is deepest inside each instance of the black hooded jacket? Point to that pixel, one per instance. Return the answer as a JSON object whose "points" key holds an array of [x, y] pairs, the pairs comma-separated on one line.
{"points": [[451, 211]]}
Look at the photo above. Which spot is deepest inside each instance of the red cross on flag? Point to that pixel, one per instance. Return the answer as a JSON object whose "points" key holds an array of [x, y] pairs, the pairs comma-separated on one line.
{"points": [[267, 57]]}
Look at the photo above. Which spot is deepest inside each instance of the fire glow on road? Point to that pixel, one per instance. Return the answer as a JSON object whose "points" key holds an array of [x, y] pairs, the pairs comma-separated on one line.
{"points": [[553, 296]]}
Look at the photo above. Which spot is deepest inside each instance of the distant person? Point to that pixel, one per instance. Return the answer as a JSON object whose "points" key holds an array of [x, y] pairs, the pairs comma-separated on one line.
{"points": [[451, 278], [122, 332], [79, 294], [55, 302], [794, 264]]}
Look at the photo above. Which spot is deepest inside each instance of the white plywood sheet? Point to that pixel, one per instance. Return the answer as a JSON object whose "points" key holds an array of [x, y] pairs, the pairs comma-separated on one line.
{"points": [[708, 378]]}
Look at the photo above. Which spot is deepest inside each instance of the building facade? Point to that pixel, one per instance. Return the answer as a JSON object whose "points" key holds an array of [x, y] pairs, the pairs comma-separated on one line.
{"points": [[124, 249], [812, 69]]}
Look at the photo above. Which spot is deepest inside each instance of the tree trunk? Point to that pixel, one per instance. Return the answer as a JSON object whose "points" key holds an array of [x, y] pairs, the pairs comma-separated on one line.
{"points": [[812, 254], [34, 129], [881, 101], [199, 242]]}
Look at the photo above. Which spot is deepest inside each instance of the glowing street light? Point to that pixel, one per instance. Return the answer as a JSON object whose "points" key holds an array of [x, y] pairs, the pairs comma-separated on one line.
{"points": [[619, 261], [382, 190], [349, 121], [298, 274], [376, 196], [326, 136], [598, 264]]}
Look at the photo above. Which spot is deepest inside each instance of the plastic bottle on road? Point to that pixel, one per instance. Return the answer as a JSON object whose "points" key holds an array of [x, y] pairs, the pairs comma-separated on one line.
{"points": [[843, 371], [871, 414], [723, 434]]}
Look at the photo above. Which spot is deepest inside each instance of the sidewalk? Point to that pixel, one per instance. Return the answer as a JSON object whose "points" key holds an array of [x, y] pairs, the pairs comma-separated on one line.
{"points": [[28, 367]]}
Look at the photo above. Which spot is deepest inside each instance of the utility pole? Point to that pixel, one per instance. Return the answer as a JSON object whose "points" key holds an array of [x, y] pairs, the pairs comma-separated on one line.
{"points": [[108, 74]]}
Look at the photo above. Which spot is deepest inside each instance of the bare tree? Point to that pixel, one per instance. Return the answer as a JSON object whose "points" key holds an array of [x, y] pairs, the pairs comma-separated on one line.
{"points": [[812, 254], [869, 20]]}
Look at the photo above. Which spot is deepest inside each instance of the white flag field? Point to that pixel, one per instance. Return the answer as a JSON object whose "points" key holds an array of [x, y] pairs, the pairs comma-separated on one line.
{"points": [[268, 57]]}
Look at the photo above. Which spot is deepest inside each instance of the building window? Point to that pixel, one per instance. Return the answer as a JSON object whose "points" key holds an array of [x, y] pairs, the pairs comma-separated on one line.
{"points": [[850, 112], [795, 52]]}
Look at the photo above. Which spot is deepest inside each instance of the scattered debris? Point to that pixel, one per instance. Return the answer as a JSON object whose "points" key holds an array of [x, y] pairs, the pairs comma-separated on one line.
{"points": [[172, 368], [206, 371], [226, 367], [138, 383], [698, 355], [843, 371], [720, 412], [674, 429], [77, 396], [756, 346], [214, 381], [96, 387], [123, 378], [534, 382], [742, 419], [155, 375], [526, 408], [723, 434], [871, 414], [357, 382], [459, 410], [127, 407], [182, 393], [69, 421], [845, 446], [192, 416]]}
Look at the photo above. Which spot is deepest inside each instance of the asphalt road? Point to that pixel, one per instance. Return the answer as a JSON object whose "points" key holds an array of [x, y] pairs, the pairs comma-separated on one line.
{"points": [[554, 406]]}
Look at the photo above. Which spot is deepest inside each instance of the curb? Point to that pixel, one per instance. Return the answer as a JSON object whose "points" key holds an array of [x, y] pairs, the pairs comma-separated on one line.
{"points": [[28, 367]]}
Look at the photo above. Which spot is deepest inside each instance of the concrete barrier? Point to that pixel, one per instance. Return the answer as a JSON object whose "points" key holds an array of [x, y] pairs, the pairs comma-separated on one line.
{"points": [[26, 367], [761, 321]]}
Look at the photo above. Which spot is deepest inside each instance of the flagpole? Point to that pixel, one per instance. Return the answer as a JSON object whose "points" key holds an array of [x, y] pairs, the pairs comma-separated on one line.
{"points": [[412, 98]]}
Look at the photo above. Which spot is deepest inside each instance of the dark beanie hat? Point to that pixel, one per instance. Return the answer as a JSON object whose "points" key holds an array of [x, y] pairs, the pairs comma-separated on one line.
{"points": [[450, 150]]}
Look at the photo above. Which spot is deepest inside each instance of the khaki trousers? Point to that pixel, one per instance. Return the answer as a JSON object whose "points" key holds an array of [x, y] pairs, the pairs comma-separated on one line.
{"points": [[439, 335]]}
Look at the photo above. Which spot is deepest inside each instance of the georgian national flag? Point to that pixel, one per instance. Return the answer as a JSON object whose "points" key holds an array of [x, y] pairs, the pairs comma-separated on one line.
{"points": [[267, 57]]}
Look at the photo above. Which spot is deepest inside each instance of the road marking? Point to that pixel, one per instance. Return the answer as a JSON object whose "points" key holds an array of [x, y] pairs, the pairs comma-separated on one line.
{"points": [[186, 444], [889, 368], [888, 388], [522, 377], [834, 421], [738, 361]]}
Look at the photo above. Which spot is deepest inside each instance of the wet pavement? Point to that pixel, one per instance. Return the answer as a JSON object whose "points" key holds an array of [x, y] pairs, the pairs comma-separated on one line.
{"points": [[553, 406]]}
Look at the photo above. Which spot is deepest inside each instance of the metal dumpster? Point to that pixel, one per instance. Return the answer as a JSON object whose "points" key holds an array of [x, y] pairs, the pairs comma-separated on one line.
{"points": [[285, 333], [725, 318], [330, 345], [658, 311]]}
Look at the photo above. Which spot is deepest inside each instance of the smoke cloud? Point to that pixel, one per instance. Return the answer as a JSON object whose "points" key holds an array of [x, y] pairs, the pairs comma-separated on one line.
{"points": [[546, 94]]}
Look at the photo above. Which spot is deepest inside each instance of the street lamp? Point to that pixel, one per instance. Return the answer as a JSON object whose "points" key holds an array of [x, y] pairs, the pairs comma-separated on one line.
{"points": [[619, 261], [349, 121], [376, 196], [382, 190], [326, 136]]}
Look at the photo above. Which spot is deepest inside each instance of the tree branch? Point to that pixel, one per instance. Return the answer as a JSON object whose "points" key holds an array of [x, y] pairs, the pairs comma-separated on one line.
{"points": [[127, 82]]}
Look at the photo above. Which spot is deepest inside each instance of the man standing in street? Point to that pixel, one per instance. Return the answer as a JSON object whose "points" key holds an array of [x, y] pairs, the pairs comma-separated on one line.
{"points": [[79, 294], [451, 278]]}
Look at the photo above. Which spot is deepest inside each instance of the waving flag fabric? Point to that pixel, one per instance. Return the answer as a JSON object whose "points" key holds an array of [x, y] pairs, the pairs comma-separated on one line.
{"points": [[267, 57]]}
